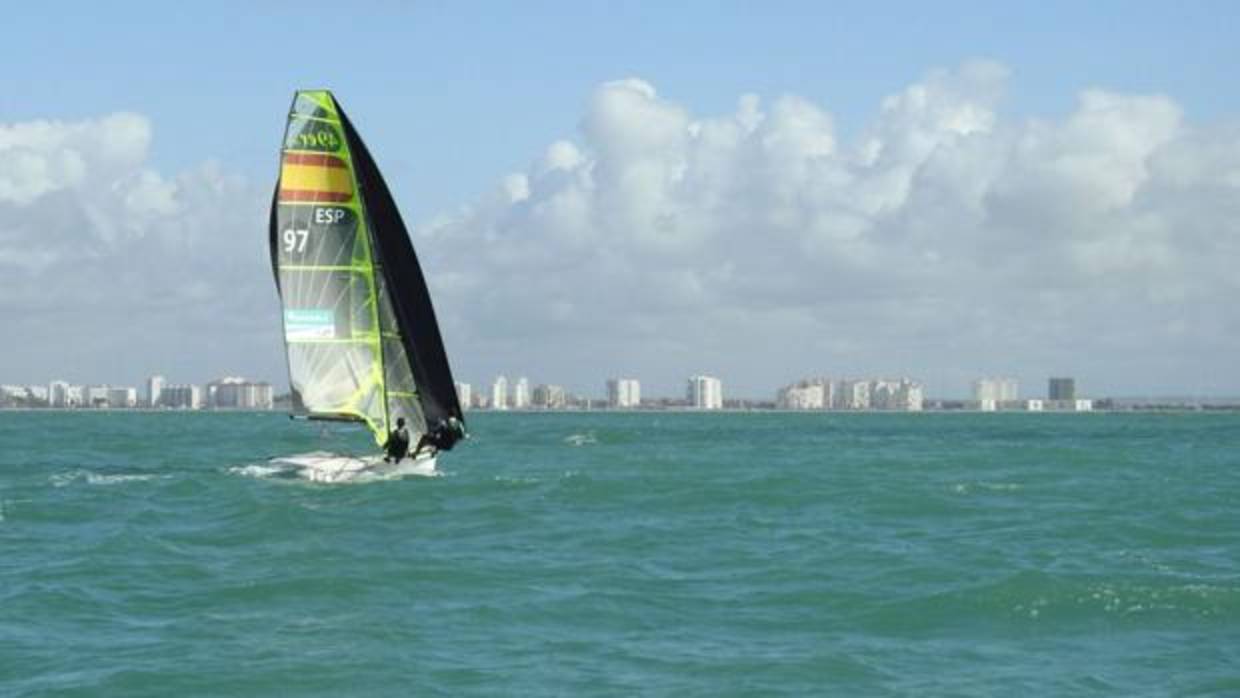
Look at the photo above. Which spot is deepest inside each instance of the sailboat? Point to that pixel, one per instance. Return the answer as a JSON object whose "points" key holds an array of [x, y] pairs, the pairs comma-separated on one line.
{"points": [[359, 329]]}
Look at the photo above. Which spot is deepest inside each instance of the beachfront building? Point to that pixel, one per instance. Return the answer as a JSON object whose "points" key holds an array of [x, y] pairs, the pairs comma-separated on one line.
{"points": [[182, 397], [1061, 389], [154, 387], [991, 394], [521, 394], [623, 393], [58, 394], [808, 394], [853, 395], [499, 393], [234, 393], [705, 393], [122, 397], [26, 395], [550, 397], [464, 395], [901, 395], [95, 396]]}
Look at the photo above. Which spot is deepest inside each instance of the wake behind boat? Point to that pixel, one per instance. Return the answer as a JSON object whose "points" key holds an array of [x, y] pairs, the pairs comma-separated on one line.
{"points": [[359, 330]]}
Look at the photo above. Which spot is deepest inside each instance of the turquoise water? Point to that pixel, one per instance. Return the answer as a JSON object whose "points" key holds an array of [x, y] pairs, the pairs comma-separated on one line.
{"points": [[627, 554]]}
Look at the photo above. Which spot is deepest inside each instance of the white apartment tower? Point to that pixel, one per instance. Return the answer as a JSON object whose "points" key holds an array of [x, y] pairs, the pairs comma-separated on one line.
{"points": [[521, 394], [854, 395], [58, 394], [464, 395], [624, 393], [549, 397], [805, 395], [997, 389], [154, 387], [183, 397], [992, 393], [499, 393], [705, 393], [122, 397]]}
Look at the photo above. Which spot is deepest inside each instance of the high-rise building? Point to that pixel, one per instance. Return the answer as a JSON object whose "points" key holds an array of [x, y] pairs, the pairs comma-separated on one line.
{"points": [[521, 394], [95, 395], [1061, 389], [885, 394], [705, 393], [464, 395], [154, 386], [549, 397], [624, 393], [499, 393], [853, 395], [184, 397], [910, 397], [239, 394], [994, 393], [122, 397], [58, 394], [810, 394]]}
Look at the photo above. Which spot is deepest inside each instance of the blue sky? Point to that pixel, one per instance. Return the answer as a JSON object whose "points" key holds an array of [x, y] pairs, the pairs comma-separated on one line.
{"points": [[891, 159], [478, 89]]}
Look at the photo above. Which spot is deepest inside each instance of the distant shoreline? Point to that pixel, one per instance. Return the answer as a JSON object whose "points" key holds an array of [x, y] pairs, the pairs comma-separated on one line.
{"points": [[1154, 409]]}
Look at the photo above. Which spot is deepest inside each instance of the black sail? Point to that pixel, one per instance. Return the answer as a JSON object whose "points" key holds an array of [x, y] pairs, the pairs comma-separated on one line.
{"points": [[408, 293]]}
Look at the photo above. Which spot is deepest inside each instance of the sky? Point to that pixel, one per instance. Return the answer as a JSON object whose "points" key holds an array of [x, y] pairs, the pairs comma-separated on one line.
{"points": [[942, 191]]}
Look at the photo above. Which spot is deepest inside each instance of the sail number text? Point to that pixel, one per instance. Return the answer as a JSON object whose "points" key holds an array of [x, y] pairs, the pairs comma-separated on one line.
{"points": [[295, 239]]}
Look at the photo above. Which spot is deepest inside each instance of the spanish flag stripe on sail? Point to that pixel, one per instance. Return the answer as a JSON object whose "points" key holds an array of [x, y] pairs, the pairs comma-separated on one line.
{"points": [[314, 177]]}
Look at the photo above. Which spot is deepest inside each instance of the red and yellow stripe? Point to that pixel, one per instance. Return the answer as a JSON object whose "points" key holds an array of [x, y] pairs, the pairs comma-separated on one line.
{"points": [[314, 177]]}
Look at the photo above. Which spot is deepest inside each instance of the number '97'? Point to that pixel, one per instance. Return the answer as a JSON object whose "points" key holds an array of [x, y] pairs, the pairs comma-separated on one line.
{"points": [[295, 240]]}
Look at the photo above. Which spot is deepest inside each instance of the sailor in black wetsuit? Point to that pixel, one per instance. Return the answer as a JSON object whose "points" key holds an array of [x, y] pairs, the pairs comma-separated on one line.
{"points": [[397, 443], [446, 433]]}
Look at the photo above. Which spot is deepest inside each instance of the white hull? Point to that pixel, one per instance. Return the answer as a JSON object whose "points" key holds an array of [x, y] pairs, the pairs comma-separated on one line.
{"points": [[321, 466]]}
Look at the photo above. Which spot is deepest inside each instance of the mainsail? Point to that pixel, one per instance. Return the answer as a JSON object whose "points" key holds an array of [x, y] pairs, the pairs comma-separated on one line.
{"points": [[359, 329]]}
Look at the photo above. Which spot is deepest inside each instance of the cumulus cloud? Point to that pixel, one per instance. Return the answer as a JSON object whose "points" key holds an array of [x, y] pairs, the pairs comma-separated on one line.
{"points": [[110, 269], [944, 241]]}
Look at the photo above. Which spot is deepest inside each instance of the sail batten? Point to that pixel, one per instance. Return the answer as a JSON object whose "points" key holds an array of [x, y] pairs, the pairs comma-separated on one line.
{"points": [[359, 330]]}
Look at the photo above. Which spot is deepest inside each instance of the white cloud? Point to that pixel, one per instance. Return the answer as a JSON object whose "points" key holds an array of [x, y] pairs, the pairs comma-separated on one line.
{"points": [[945, 240], [107, 262]]}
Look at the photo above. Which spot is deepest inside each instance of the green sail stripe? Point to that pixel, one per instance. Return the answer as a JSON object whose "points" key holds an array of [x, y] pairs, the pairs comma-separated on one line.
{"points": [[363, 233], [362, 270], [359, 339], [320, 119]]}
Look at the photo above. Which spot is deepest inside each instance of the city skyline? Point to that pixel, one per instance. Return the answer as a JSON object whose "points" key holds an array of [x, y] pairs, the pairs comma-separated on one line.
{"points": [[976, 388], [961, 202]]}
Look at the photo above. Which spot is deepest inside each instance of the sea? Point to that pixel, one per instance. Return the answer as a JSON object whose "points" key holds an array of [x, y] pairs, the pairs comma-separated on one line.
{"points": [[626, 554]]}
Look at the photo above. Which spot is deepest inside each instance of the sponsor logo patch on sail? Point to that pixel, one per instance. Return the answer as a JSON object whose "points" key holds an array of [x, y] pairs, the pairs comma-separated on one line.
{"points": [[309, 323]]}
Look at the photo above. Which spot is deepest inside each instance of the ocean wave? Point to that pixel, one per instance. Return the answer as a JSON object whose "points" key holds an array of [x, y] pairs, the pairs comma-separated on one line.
{"points": [[93, 478], [335, 476], [586, 439], [971, 487]]}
